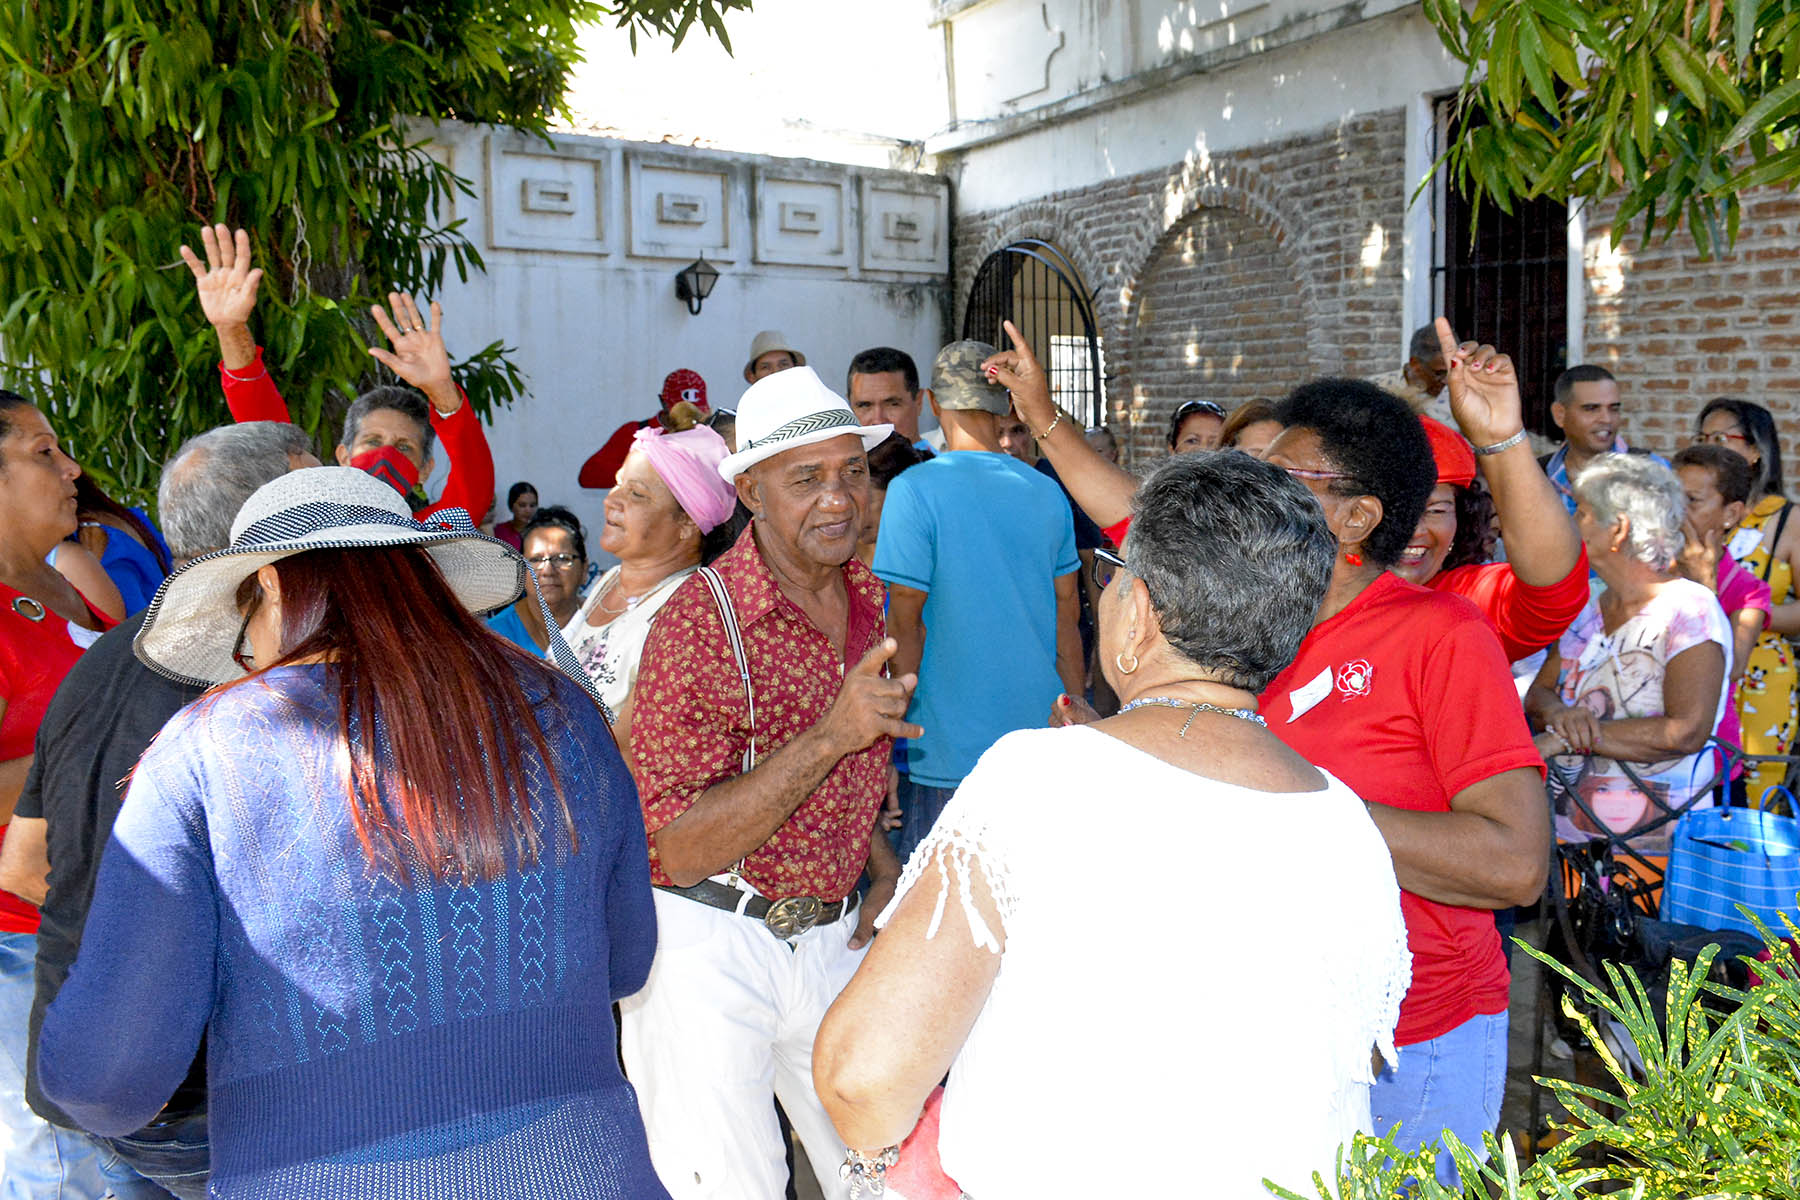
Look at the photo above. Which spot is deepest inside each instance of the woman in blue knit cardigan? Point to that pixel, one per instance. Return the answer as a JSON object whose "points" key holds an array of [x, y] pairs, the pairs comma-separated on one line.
{"points": [[393, 871]]}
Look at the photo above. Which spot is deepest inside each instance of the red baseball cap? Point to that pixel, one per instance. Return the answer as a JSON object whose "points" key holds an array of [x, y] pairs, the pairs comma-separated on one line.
{"points": [[684, 385], [1455, 457]]}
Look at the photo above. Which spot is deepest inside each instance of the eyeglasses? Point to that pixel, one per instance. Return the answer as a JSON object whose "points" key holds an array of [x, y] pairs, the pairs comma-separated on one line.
{"points": [[1302, 473], [1719, 437], [561, 562], [1106, 566]]}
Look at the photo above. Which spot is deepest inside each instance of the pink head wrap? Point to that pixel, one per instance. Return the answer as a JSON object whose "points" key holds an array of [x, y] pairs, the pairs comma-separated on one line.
{"points": [[688, 463]]}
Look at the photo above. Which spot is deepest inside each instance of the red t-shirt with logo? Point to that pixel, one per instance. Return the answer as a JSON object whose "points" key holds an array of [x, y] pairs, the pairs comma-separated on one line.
{"points": [[1407, 698], [1524, 617], [37, 648]]}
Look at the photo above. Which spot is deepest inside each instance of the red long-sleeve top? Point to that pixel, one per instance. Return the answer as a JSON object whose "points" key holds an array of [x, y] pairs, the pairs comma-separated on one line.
{"points": [[601, 470], [252, 396]]}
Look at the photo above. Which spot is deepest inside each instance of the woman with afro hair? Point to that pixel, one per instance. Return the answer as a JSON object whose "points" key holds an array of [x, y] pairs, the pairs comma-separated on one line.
{"points": [[1403, 693]]}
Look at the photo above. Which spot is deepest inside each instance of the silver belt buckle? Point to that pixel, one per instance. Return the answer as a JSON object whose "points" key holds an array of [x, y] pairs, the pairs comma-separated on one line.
{"points": [[793, 916]]}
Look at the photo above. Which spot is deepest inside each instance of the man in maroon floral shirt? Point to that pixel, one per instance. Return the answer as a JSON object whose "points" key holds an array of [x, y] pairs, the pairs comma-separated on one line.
{"points": [[762, 815]]}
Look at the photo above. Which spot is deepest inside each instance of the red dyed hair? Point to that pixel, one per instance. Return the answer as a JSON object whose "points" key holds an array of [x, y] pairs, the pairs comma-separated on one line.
{"points": [[418, 674]]}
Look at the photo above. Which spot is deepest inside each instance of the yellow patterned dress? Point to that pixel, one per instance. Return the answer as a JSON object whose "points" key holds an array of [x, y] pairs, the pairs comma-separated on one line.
{"points": [[1767, 698]]}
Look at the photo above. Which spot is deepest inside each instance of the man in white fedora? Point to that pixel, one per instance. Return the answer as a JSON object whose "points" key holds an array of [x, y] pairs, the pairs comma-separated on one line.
{"points": [[762, 728]]}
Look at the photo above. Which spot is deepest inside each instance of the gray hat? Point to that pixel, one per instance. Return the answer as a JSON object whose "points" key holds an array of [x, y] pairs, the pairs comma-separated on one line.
{"points": [[958, 382], [767, 342]]}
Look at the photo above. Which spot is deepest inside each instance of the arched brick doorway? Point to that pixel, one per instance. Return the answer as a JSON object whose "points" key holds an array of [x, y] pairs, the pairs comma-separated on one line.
{"points": [[1218, 315]]}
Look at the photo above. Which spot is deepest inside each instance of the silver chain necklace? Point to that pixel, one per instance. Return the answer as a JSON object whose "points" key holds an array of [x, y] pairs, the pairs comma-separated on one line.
{"points": [[1242, 714]]}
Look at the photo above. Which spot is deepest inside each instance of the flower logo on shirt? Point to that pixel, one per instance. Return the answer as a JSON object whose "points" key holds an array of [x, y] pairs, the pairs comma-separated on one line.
{"points": [[1355, 676]]}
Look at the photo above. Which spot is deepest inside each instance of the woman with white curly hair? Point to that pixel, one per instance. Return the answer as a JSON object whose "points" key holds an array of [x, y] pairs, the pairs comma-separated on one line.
{"points": [[1639, 678]]}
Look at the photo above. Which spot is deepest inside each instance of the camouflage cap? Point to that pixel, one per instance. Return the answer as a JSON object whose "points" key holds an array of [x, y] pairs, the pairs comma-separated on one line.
{"points": [[958, 381]]}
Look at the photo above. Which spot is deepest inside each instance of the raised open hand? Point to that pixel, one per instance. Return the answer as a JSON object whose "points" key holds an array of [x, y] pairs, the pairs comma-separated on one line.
{"points": [[1019, 371], [418, 355], [1484, 389], [226, 281]]}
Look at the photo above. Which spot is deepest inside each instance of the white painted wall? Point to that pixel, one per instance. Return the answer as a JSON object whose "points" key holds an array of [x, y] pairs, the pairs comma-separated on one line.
{"points": [[1017, 56], [595, 332], [1296, 89]]}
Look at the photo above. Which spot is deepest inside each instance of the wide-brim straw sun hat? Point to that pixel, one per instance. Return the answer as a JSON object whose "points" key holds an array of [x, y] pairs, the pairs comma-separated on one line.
{"points": [[192, 625], [789, 409]]}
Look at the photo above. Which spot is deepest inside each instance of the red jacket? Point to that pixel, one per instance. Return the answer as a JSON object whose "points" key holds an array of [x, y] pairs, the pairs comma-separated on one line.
{"points": [[601, 470], [252, 396]]}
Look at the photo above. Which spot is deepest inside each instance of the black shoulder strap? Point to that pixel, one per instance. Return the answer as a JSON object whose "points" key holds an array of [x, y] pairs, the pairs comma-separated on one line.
{"points": [[1775, 542]]}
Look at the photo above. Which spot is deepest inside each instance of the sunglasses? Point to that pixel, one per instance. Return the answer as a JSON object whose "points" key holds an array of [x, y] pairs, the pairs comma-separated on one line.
{"points": [[1198, 406], [246, 660], [1106, 566]]}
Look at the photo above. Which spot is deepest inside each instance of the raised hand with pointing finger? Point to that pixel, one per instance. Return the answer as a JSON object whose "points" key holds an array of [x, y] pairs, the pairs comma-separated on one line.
{"points": [[1484, 389], [1019, 371], [1103, 489]]}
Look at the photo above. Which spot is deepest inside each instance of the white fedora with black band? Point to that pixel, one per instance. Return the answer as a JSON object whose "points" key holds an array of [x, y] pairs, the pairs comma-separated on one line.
{"points": [[191, 625], [789, 409]]}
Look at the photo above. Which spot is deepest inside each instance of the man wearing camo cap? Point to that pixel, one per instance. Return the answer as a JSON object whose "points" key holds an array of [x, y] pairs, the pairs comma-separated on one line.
{"points": [[978, 552]]}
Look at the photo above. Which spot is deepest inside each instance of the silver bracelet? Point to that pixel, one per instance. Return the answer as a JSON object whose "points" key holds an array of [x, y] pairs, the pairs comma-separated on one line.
{"points": [[864, 1172], [1508, 444]]}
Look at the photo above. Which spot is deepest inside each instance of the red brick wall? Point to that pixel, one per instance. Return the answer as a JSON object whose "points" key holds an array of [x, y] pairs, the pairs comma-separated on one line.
{"points": [[1214, 318], [1678, 331], [1273, 264]]}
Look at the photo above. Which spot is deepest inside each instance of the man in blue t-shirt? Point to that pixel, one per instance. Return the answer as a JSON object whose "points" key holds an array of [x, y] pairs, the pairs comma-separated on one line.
{"points": [[978, 552]]}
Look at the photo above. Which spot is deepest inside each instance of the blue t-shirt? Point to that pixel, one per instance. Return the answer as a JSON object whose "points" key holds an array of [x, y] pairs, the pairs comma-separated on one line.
{"points": [[985, 537], [508, 625]]}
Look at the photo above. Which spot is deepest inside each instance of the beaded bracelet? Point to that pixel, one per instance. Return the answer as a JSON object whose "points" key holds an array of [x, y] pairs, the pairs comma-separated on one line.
{"points": [[1052, 426]]}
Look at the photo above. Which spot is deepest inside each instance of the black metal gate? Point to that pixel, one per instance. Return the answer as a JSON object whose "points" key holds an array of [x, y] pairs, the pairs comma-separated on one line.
{"points": [[1504, 279], [1032, 284]]}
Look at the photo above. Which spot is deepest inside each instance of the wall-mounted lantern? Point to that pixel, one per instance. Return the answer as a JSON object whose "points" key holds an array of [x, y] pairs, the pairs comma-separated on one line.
{"points": [[694, 283]]}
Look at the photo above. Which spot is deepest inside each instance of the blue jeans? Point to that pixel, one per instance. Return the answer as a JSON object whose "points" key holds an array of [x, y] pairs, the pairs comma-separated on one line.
{"points": [[1453, 1082], [42, 1161], [920, 804], [176, 1156]]}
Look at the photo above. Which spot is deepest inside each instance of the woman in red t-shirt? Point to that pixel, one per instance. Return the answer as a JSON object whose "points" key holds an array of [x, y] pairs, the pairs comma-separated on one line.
{"points": [[1532, 597], [45, 624], [1403, 693]]}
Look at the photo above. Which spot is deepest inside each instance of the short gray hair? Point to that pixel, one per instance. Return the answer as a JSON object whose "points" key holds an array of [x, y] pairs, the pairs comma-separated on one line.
{"points": [[1647, 494], [1236, 556], [211, 476]]}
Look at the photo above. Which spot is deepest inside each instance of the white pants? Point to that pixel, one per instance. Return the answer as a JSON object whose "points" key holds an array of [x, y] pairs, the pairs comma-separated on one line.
{"points": [[726, 1022]]}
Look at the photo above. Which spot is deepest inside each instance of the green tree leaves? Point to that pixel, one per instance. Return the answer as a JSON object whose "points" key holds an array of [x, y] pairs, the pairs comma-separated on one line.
{"points": [[126, 124], [1675, 106]]}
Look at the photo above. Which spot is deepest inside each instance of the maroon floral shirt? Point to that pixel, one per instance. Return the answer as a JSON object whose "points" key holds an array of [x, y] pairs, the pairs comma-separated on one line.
{"points": [[690, 725]]}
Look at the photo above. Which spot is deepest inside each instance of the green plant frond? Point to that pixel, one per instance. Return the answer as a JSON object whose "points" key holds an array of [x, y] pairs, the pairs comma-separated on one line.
{"points": [[123, 126], [1657, 96]]}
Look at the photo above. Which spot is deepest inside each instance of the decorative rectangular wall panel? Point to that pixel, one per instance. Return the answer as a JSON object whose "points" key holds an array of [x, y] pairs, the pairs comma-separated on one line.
{"points": [[542, 199], [905, 226], [800, 219], [680, 209]]}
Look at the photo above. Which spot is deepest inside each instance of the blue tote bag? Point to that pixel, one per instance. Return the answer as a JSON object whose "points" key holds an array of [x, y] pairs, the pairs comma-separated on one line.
{"points": [[1720, 858]]}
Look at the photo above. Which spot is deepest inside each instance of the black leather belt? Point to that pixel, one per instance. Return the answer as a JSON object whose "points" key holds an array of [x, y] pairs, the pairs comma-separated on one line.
{"points": [[786, 918]]}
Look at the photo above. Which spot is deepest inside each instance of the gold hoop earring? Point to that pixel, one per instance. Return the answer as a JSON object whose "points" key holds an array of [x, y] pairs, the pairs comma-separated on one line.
{"points": [[1119, 662]]}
